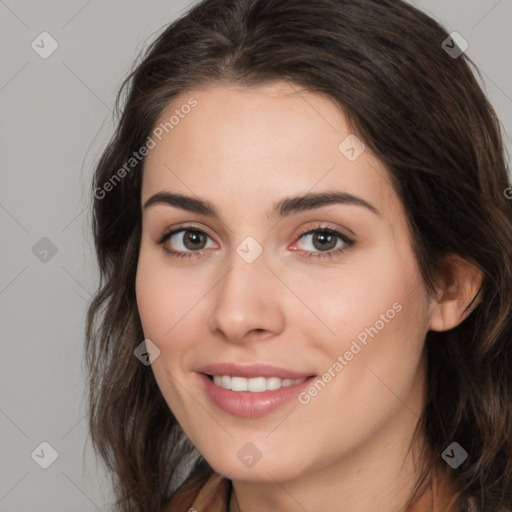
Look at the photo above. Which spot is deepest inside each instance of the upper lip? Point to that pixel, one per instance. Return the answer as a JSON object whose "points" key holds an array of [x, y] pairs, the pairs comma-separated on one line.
{"points": [[251, 370]]}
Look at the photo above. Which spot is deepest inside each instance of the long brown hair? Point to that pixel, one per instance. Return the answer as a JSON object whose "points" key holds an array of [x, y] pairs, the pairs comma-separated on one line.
{"points": [[423, 114]]}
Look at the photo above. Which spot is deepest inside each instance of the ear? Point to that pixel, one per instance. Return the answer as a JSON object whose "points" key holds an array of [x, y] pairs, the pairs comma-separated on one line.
{"points": [[459, 293]]}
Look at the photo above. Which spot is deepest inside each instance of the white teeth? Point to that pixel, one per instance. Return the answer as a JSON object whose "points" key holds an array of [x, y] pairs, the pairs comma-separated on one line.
{"points": [[238, 384], [254, 384], [273, 383], [257, 384]]}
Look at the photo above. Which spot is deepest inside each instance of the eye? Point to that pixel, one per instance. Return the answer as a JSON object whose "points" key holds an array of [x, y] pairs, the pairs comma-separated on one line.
{"points": [[188, 241], [184, 241], [326, 242]]}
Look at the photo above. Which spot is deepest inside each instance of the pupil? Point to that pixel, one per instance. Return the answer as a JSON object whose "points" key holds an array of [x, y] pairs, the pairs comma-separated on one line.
{"points": [[193, 237], [324, 237]]}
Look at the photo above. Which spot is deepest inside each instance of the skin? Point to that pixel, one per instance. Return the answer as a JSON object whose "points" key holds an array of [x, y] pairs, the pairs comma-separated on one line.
{"points": [[243, 149]]}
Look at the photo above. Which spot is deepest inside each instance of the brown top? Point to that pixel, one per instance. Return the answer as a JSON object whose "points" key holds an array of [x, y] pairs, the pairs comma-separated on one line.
{"points": [[214, 496]]}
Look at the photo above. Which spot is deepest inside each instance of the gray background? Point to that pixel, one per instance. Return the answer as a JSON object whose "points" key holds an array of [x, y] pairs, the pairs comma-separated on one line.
{"points": [[56, 116]]}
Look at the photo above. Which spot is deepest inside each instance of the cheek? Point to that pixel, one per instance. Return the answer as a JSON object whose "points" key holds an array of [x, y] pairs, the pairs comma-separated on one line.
{"points": [[380, 327], [377, 315], [372, 363], [163, 304], [163, 297], [379, 290], [152, 300]]}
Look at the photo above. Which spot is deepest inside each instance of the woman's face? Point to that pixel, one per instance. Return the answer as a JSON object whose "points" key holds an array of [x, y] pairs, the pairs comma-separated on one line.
{"points": [[274, 293]]}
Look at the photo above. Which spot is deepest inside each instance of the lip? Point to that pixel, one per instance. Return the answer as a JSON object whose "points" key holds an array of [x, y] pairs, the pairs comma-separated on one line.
{"points": [[246, 404], [252, 370]]}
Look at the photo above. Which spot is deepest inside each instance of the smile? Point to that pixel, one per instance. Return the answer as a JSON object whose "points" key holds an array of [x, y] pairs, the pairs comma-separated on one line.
{"points": [[251, 397]]}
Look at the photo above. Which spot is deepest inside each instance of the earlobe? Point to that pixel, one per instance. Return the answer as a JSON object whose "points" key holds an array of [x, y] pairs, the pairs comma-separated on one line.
{"points": [[459, 295]]}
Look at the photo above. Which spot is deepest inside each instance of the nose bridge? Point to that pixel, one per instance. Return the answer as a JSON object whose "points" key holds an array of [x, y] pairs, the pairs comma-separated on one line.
{"points": [[245, 299]]}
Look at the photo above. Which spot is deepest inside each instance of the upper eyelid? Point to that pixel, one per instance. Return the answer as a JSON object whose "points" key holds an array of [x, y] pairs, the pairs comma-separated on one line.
{"points": [[335, 231], [185, 227]]}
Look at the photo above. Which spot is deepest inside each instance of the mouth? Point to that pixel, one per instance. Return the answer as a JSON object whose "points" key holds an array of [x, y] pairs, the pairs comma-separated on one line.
{"points": [[251, 391]]}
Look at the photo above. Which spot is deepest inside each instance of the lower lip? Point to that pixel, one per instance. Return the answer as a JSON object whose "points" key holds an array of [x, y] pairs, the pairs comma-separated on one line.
{"points": [[247, 404]]}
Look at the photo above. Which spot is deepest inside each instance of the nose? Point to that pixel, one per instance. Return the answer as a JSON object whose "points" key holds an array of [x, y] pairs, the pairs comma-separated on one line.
{"points": [[248, 302]]}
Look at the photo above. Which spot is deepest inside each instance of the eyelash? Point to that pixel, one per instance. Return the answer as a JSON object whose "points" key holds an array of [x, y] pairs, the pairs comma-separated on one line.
{"points": [[349, 242]]}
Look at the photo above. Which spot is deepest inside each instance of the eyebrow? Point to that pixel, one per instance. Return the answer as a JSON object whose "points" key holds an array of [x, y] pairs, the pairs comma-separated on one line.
{"points": [[282, 208]]}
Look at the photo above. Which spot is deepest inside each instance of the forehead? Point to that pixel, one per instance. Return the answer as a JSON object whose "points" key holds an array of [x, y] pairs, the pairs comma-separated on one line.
{"points": [[260, 143]]}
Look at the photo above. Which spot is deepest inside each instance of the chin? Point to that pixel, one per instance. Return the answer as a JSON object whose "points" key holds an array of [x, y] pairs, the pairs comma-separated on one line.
{"points": [[264, 470]]}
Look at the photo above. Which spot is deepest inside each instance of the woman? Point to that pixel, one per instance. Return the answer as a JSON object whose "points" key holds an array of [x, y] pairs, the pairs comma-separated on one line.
{"points": [[305, 248]]}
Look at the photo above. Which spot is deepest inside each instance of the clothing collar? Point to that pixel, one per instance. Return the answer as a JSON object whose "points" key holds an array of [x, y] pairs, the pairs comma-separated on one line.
{"points": [[214, 495]]}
